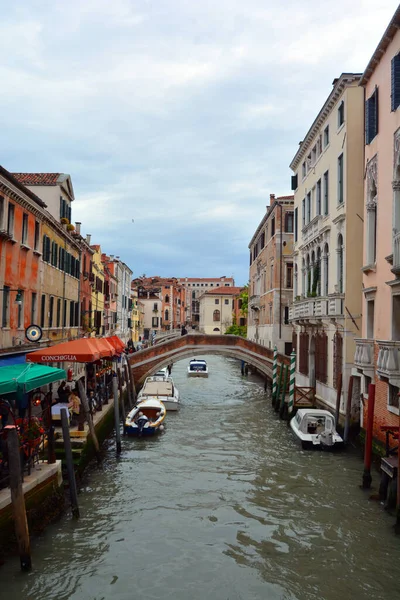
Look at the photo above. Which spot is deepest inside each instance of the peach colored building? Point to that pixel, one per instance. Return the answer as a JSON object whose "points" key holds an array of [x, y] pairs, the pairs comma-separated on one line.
{"points": [[377, 351], [271, 276], [194, 288]]}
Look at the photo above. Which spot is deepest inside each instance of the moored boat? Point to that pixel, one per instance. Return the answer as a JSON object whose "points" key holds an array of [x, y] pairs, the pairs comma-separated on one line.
{"points": [[160, 387], [315, 428], [146, 418], [197, 368]]}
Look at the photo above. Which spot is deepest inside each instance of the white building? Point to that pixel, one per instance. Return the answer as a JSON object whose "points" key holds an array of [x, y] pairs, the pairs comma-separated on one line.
{"points": [[216, 309]]}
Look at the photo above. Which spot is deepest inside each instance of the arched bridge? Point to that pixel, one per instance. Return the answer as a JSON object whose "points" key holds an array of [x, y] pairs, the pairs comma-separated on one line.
{"points": [[146, 362]]}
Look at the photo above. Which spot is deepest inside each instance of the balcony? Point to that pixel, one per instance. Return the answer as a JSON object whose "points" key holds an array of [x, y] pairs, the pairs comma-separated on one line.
{"points": [[396, 254], [364, 356], [388, 362], [312, 229], [314, 308], [254, 302]]}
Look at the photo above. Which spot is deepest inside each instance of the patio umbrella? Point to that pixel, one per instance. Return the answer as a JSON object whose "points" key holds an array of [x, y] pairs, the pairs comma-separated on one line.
{"points": [[82, 351], [27, 377], [117, 343], [106, 350]]}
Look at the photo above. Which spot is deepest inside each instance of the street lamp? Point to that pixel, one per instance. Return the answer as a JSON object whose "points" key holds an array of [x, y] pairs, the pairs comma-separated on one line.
{"points": [[18, 297]]}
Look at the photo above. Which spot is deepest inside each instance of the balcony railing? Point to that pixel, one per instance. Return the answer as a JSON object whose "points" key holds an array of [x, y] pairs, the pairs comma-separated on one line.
{"points": [[316, 308], [388, 361], [254, 302], [311, 230], [396, 253], [364, 355]]}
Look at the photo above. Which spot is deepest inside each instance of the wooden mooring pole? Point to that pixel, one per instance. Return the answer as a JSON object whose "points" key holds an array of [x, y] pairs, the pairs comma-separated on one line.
{"points": [[116, 411], [348, 410], [278, 390], [284, 389], [17, 499], [128, 386], [367, 479], [85, 405], [70, 463], [338, 397]]}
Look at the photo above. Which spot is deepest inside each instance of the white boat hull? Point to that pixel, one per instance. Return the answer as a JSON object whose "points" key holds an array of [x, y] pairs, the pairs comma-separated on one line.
{"points": [[197, 373], [320, 436]]}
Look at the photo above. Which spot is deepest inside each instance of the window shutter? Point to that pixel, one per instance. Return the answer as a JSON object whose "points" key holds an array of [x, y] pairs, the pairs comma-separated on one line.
{"points": [[367, 140], [376, 119], [68, 213], [294, 182], [44, 248], [395, 81], [61, 207]]}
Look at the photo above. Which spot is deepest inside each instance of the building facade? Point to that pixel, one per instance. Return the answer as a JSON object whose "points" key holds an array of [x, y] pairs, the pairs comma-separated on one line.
{"points": [[55, 189], [96, 279], [377, 349], [271, 276], [217, 309], [194, 288], [328, 183]]}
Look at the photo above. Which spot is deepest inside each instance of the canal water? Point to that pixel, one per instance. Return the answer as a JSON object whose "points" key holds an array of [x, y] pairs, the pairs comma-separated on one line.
{"points": [[223, 506]]}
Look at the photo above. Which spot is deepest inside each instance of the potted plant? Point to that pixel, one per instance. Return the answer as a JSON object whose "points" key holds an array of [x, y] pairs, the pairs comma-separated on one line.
{"points": [[30, 433], [70, 227]]}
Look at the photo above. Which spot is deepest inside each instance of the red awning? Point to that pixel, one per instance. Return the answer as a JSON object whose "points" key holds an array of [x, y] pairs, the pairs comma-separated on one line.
{"points": [[117, 343], [82, 350], [106, 350]]}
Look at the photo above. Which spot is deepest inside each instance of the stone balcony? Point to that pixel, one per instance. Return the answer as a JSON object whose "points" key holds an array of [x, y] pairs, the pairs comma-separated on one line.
{"points": [[312, 229], [388, 363], [314, 308], [364, 356], [254, 302]]}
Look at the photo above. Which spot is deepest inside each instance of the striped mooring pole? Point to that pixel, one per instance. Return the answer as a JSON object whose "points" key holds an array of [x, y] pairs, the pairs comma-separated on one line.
{"points": [[292, 381], [274, 373]]}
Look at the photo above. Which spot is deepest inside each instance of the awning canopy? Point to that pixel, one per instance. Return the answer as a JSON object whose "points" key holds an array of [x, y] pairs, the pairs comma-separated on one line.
{"points": [[82, 351], [27, 377], [105, 348], [117, 343]]}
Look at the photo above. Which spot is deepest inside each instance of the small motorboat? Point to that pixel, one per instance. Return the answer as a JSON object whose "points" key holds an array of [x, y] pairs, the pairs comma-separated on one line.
{"points": [[146, 418], [316, 428], [162, 373], [197, 368], [161, 387]]}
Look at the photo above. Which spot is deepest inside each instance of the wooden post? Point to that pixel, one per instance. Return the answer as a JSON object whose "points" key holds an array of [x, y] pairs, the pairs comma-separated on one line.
{"points": [[51, 454], [128, 385], [367, 479], [70, 463], [133, 388], [282, 405], [278, 389], [348, 410], [338, 396], [116, 411], [85, 405], [17, 499], [274, 374]]}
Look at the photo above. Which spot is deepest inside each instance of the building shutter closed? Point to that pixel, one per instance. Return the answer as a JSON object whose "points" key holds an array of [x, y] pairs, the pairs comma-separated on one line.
{"points": [[395, 81], [294, 182]]}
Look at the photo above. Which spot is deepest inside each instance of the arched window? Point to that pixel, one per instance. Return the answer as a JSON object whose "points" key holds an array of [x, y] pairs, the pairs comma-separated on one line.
{"points": [[326, 269], [167, 299], [216, 329], [295, 281], [303, 277], [308, 272], [216, 315], [371, 206], [340, 263], [166, 315]]}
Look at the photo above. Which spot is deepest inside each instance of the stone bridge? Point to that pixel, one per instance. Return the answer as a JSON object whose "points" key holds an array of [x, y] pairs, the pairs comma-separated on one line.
{"points": [[146, 362]]}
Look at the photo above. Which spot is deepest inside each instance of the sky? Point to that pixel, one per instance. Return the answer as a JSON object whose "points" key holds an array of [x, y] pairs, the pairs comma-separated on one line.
{"points": [[175, 119]]}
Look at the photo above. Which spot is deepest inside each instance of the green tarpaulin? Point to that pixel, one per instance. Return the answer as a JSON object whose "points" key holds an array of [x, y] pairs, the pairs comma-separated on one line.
{"points": [[27, 377]]}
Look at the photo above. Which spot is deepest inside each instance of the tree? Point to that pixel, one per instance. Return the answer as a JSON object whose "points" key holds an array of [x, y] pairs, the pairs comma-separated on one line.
{"points": [[245, 300]]}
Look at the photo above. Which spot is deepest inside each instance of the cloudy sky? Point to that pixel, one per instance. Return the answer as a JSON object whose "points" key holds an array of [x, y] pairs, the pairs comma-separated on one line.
{"points": [[175, 118]]}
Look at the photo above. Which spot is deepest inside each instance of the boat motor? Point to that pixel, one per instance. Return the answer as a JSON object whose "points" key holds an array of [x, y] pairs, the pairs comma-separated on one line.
{"points": [[141, 422]]}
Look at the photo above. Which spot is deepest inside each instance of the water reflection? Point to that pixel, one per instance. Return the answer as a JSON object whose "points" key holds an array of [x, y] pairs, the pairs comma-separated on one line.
{"points": [[224, 505]]}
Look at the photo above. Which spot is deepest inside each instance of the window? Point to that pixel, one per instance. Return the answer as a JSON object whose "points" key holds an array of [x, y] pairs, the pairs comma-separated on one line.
{"points": [[58, 313], [10, 219], [340, 113], [303, 205], [294, 185], [286, 315], [326, 193], [33, 308], [71, 313], [166, 315], [154, 322], [216, 301], [20, 318], [393, 396], [64, 323], [24, 228], [226, 301], [326, 136], [337, 358], [308, 207], [370, 319], [314, 155], [304, 169], [51, 311], [167, 300], [318, 202], [321, 358], [6, 307], [46, 250], [371, 117], [43, 311], [262, 240], [1, 212], [289, 222], [395, 81], [155, 307], [340, 180], [216, 315], [303, 358], [295, 223], [289, 275], [37, 235], [273, 227]]}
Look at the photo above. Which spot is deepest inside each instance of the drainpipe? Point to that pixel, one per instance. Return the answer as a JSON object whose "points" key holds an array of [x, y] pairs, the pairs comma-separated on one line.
{"points": [[280, 275]]}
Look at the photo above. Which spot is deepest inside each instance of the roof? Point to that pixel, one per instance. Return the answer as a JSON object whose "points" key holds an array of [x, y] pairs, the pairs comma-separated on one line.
{"points": [[224, 291], [270, 210], [382, 46], [38, 178], [183, 280], [12, 179]]}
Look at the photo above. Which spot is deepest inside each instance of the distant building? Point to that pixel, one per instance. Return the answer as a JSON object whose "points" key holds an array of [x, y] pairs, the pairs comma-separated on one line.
{"points": [[217, 309], [97, 279], [171, 312], [55, 189], [271, 276], [194, 288]]}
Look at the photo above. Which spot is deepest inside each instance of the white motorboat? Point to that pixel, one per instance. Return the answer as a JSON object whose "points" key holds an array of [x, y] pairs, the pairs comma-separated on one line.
{"points": [[146, 418], [197, 368], [316, 428], [162, 388]]}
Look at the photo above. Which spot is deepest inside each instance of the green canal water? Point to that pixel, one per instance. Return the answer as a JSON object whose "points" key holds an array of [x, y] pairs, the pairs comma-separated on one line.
{"points": [[224, 505]]}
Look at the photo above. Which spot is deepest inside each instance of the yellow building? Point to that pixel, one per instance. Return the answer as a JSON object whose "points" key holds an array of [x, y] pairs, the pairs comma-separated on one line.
{"points": [[57, 307], [135, 316], [97, 282]]}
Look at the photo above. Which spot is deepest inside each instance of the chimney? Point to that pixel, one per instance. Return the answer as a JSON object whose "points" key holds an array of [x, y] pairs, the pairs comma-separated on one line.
{"points": [[271, 198], [78, 227], [88, 238], [111, 257]]}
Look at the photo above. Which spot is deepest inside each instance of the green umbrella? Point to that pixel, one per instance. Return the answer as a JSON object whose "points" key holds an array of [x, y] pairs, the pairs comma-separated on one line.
{"points": [[26, 377]]}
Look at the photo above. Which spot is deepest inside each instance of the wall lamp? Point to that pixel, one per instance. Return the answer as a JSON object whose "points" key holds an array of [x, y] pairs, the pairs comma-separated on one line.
{"points": [[18, 297]]}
